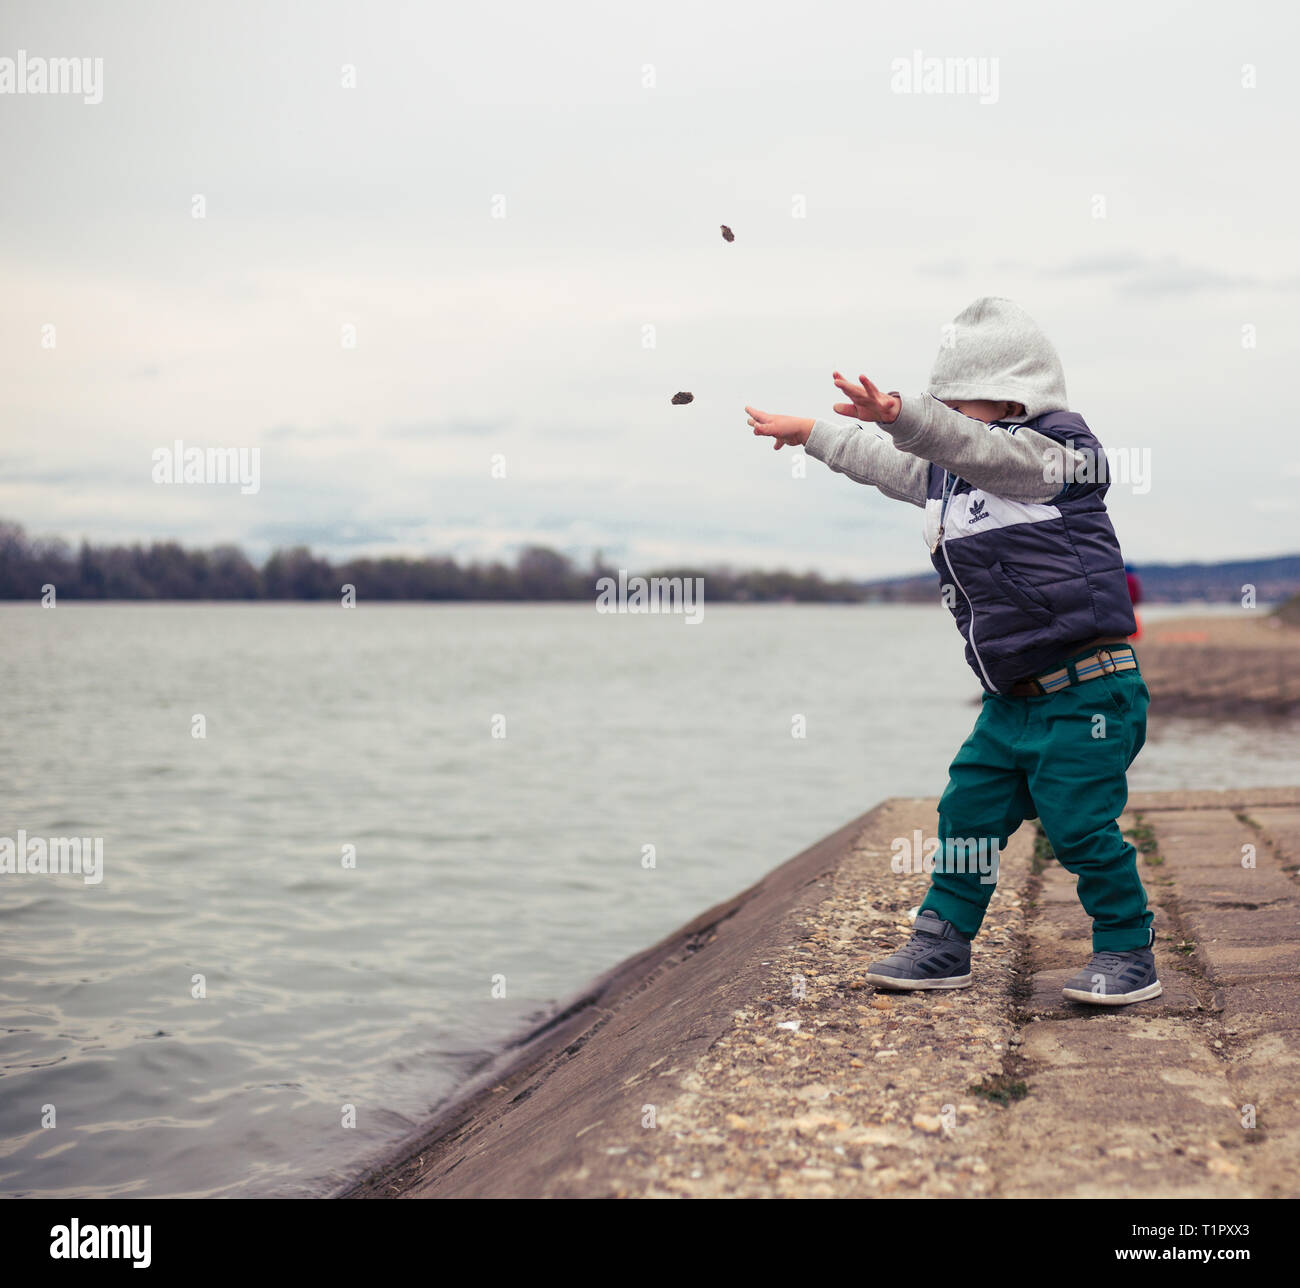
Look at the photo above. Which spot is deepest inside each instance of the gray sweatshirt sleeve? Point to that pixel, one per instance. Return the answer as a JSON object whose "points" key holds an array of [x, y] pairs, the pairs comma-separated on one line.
{"points": [[867, 455], [1019, 464]]}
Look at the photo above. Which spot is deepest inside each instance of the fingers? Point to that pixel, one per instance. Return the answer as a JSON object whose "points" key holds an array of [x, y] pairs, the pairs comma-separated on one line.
{"points": [[863, 391], [763, 423]]}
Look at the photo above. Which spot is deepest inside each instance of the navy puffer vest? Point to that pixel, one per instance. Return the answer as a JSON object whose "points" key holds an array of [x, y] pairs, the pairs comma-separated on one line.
{"points": [[1030, 583]]}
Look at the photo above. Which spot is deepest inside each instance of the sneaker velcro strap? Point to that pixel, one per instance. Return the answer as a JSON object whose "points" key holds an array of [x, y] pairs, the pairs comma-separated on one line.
{"points": [[935, 926]]}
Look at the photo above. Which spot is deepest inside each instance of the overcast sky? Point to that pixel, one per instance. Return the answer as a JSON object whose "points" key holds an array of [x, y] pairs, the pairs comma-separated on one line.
{"points": [[523, 337]]}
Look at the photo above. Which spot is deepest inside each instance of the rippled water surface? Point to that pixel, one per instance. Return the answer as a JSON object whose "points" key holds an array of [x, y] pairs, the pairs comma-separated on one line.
{"points": [[476, 856]]}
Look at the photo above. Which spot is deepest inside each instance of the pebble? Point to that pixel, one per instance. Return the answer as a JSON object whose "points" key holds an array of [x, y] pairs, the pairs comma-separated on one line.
{"points": [[814, 1091]]}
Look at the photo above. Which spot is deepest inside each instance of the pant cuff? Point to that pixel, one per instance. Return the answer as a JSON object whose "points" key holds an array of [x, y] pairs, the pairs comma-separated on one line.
{"points": [[960, 915], [1121, 941]]}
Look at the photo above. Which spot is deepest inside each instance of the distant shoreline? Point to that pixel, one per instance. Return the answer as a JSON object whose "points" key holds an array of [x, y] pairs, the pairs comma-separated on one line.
{"points": [[1192, 609], [168, 571], [1230, 665]]}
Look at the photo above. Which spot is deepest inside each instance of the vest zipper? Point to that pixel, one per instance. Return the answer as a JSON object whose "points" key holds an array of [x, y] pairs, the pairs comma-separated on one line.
{"points": [[940, 542], [943, 508]]}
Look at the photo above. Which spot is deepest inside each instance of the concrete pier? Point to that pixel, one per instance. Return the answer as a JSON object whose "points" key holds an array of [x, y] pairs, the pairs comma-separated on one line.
{"points": [[744, 1055]]}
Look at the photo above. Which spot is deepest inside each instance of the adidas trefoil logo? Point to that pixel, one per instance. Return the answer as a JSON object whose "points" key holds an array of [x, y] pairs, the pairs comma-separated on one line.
{"points": [[977, 511]]}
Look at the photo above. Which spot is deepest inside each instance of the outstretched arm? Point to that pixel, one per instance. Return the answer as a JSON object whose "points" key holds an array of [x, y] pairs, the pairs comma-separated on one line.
{"points": [[863, 455], [869, 456], [1021, 465]]}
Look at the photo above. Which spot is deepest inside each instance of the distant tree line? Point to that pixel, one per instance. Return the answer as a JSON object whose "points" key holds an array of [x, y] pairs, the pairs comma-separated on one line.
{"points": [[165, 570]]}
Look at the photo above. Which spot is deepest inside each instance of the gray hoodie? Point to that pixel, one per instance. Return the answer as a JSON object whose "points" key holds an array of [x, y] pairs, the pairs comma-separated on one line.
{"points": [[992, 350]]}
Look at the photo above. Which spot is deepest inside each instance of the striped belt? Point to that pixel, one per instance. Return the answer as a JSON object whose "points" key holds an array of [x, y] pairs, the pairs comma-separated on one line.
{"points": [[1105, 661]]}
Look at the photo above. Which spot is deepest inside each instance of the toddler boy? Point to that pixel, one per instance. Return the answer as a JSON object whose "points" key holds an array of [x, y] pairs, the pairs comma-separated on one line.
{"points": [[1013, 486]]}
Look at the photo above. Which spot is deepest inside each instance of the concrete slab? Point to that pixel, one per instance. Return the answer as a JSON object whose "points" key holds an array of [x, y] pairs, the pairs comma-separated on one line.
{"points": [[1047, 1002], [1282, 828], [1235, 944], [1252, 1008], [1118, 1106]]}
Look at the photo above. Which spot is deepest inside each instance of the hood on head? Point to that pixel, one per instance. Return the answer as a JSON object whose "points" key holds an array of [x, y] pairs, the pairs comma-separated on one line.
{"points": [[995, 350]]}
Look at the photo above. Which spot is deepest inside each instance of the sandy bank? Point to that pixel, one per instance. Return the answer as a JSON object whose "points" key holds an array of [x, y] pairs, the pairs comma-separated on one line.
{"points": [[1239, 666]]}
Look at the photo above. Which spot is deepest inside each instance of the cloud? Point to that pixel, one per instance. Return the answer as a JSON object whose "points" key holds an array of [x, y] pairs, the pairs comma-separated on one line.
{"points": [[947, 268], [97, 474], [1165, 275], [336, 535], [566, 326], [1101, 265], [467, 426], [284, 433]]}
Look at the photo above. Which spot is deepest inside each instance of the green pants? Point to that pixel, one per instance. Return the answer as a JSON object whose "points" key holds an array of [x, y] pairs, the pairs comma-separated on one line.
{"points": [[1060, 758]]}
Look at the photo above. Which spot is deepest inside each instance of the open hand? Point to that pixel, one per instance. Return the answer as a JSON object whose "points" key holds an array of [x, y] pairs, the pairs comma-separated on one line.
{"points": [[866, 402], [789, 431]]}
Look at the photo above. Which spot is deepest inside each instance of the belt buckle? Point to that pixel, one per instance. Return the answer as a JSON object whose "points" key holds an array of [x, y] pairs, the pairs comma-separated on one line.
{"points": [[1107, 660]]}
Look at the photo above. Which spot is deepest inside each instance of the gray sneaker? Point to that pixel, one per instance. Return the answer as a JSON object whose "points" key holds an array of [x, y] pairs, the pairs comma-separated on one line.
{"points": [[1115, 979], [936, 956]]}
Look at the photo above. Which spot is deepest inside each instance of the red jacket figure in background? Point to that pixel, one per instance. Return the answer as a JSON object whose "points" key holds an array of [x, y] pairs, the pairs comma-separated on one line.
{"points": [[1135, 594]]}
